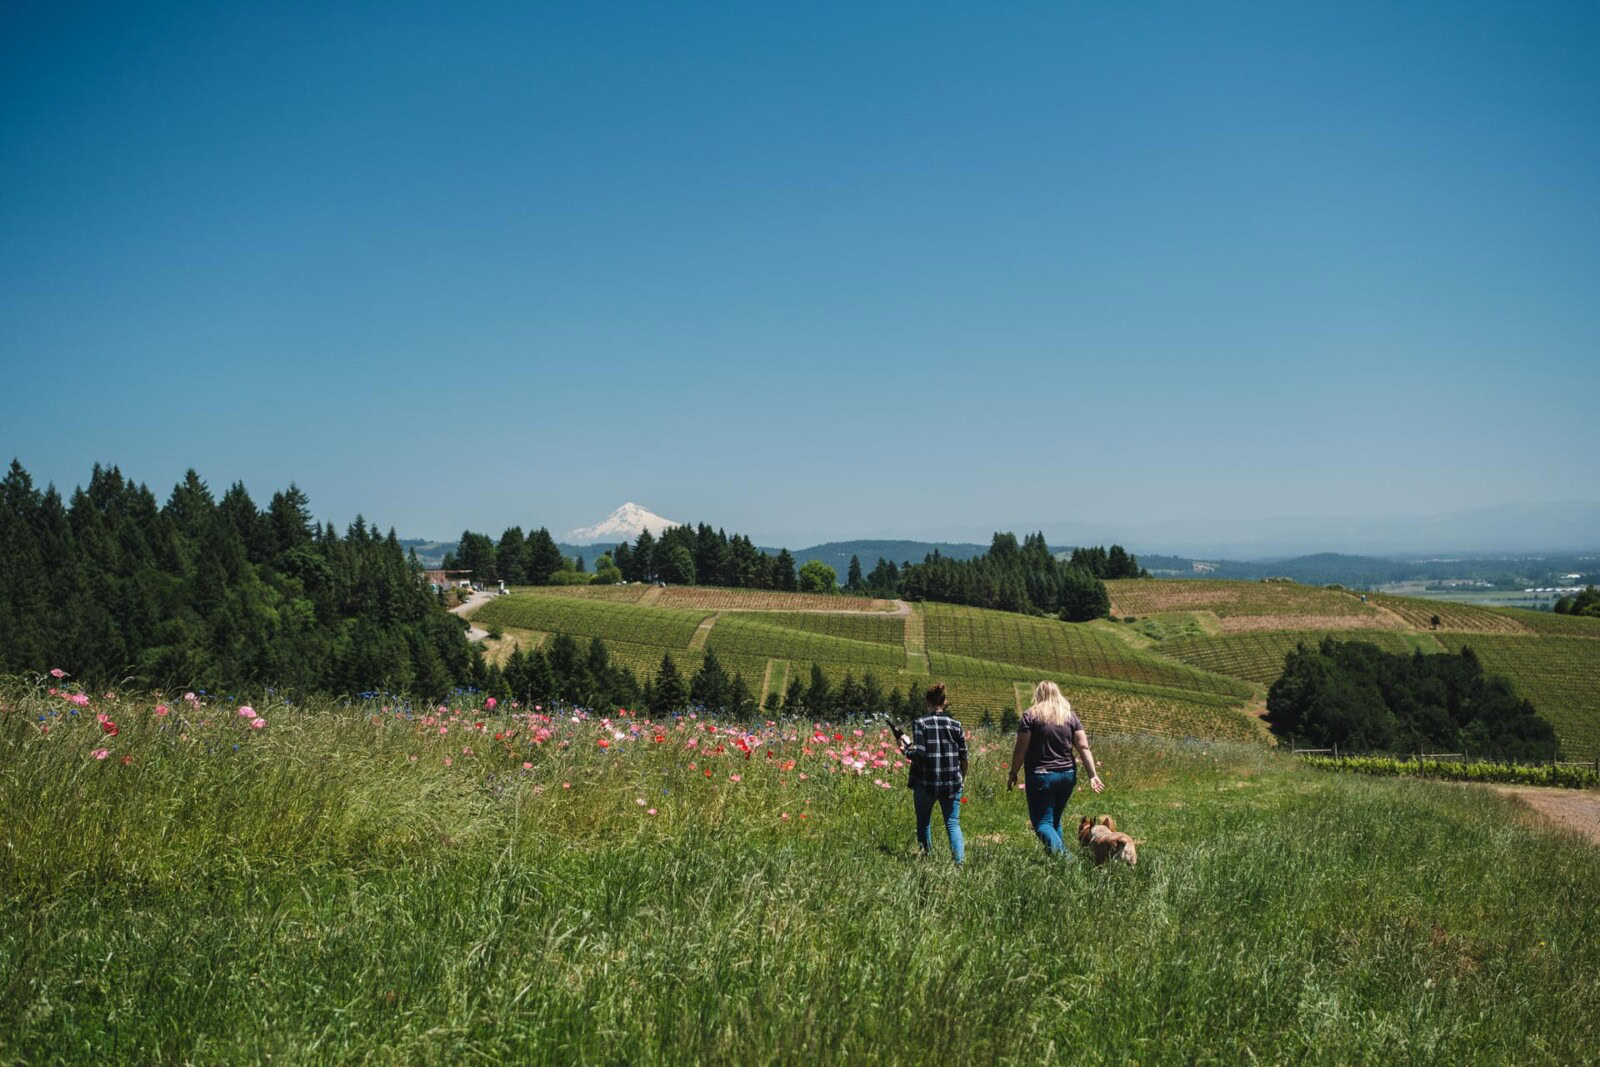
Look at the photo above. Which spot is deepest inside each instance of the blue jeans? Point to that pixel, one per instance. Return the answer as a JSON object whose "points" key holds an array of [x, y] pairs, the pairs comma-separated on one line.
{"points": [[1048, 792], [951, 809]]}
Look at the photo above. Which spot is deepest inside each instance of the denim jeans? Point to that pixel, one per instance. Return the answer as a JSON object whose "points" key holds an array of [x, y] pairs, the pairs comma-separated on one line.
{"points": [[1047, 802], [950, 807]]}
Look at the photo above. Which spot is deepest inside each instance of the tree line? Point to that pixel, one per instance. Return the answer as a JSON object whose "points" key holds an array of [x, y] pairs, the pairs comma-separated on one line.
{"points": [[213, 593], [1024, 577], [1359, 697], [682, 555], [566, 671], [1586, 602]]}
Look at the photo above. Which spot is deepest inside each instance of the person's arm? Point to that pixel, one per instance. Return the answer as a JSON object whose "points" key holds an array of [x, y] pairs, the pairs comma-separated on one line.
{"points": [[916, 749], [1017, 754], [961, 740], [1080, 741]]}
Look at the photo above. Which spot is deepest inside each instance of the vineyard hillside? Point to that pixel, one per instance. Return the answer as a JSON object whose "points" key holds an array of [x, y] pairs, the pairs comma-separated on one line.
{"points": [[1195, 661]]}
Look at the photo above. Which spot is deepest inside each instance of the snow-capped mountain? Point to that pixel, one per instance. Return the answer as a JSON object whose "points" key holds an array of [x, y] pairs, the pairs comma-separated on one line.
{"points": [[624, 524]]}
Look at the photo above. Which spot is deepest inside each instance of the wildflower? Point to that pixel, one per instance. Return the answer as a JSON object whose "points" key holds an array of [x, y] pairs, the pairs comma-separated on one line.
{"points": [[100, 753], [191, 698], [490, 703], [652, 811], [734, 778], [639, 801], [466, 750], [784, 816], [111, 728], [247, 712], [566, 785], [527, 766], [603, 743], [161, 709], [80, 699], [257, 723], [126, 760], [443, 730], [57, 672], [412, 758], [708, 772]]}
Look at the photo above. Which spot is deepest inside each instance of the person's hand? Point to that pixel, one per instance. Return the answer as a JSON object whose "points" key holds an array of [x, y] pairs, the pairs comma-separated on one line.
{"points": [[1012, 784], [1097, 785]]}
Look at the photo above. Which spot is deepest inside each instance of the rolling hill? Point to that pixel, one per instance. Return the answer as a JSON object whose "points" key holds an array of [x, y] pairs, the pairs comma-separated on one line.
{"points": [[1194, 661]]}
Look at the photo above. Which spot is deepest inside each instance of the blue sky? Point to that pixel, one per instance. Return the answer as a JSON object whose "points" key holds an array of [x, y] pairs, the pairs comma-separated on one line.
{"points": [[827, 270]]}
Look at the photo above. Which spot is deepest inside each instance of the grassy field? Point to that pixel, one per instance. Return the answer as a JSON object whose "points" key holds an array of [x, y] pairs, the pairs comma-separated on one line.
{"points": [[1241, 602], [435, 894], [1051, 646], [1205, 645], [1561, 675], [1469, 618], [1258, 657]]}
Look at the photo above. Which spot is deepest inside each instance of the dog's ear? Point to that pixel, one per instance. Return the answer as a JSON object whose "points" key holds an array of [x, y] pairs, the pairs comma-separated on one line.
{"points": [[1109, 823]]}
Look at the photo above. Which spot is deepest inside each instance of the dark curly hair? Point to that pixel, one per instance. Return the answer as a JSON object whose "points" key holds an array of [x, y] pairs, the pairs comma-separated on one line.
{"points": [[935, 695]]}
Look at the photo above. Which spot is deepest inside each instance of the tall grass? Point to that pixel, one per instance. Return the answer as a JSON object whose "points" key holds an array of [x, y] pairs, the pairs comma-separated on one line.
{"points": [[315, 896]]}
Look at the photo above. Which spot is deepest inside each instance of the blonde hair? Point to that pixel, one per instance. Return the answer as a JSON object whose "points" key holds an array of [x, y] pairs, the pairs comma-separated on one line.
{"points": [[1049, 705]]}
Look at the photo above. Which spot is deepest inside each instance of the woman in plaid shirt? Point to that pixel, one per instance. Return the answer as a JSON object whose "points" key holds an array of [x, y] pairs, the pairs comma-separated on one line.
{"points": [[938, 754]]}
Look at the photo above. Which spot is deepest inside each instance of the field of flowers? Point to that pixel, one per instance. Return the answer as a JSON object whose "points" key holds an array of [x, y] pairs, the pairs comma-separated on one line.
{"points": [[196, 878]]}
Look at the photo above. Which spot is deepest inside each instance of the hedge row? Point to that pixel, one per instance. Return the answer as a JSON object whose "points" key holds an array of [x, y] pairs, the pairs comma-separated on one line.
{"points": [[1566, 776]]}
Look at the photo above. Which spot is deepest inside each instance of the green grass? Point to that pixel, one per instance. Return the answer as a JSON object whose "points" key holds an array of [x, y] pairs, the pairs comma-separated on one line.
{"points": [[1548, 622], [1053, 646], [209, 905], [1452, 616], [751, 635], [637, 624], [856, 626], [1258, 656], [1561, 675], [1232, 599]]}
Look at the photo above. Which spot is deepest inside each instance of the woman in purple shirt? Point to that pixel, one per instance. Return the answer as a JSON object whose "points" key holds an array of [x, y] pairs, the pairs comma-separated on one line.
{"points": [[1048, 733]]}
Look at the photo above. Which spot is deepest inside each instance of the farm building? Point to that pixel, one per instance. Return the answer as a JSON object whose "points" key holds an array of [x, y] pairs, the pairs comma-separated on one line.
{"points": [[443, 579]]}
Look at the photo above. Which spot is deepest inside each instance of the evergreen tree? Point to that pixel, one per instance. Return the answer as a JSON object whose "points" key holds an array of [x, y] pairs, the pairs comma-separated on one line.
{"points": [[668, 694], [510, 557], [784, 572], [543, 556], [710, 685], [794, 696], [819, 698], [853, 575]]}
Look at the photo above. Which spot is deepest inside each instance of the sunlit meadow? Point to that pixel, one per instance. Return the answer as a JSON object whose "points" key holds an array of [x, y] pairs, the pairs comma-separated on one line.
{"points": [[196, 879]]}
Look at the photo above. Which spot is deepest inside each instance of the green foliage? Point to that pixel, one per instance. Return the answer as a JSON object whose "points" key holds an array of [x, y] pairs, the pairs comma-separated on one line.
{"points": [[1009, 721], [213, 594], [1585, 603], [1566, 776], [223, 906], [1355, 695], [817, 577]]}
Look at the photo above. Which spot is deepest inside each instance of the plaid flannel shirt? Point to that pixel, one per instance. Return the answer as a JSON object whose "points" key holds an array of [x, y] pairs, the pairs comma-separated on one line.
{"points": [[937, 749]]}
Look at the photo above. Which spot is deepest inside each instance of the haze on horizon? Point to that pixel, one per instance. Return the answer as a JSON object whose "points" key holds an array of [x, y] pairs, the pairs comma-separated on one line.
{"points": [[850, 270]]}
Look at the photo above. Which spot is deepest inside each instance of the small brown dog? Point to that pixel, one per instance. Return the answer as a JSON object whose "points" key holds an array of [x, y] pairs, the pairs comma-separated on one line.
{"points": [[1099, 835]]}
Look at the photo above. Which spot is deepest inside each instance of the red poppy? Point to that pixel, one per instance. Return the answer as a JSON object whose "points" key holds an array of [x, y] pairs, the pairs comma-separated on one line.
{"points": [[111, 728], [708, 772], [604, 743]]}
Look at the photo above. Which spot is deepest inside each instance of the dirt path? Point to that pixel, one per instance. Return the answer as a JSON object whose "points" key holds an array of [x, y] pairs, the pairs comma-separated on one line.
{"points": [[1571, 809], [703, 631], [465, 610], [651, 595], [916, 643]]}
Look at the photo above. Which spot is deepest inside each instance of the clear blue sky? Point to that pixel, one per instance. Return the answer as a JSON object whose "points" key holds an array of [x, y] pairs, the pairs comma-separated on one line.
{"points": [[807, 270]]}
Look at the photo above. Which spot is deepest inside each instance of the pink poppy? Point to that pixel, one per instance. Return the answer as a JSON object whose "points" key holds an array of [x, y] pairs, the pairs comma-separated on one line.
{"points": [[257, 723], [652, 811], [161, 709], [490, 703], [448, 762], [100, 753], [247, 712], [57, 672], [527, 766], [734, 778]]}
